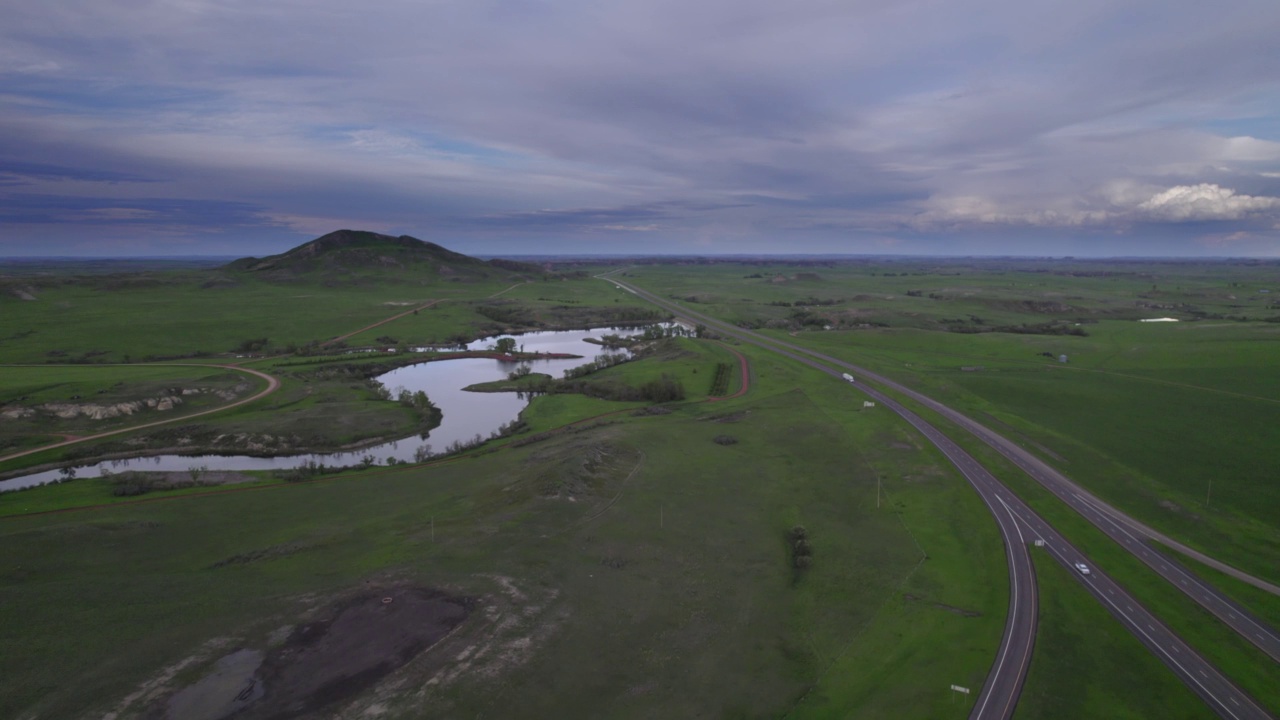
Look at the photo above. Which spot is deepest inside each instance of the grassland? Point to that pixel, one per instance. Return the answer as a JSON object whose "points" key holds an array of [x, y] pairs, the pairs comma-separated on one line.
{"points": [[180, 317], [46, 404], [643, 567], [637, 565], [305, 414], [1149, 444], [1144, 414]]}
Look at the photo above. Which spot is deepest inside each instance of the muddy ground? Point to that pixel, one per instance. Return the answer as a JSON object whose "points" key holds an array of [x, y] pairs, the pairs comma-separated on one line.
{"points": [[324, 662]]}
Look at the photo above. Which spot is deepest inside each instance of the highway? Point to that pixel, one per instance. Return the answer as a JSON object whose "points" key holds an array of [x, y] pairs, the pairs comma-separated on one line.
{"points": [[1218, 692], [999, 694], [1130, 533]]}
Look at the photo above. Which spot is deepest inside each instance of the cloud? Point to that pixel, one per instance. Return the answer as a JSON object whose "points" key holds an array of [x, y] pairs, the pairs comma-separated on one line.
{"points": [[1117, 206], [826, 125], [32, 209], [25, 172], [1206, 201]]}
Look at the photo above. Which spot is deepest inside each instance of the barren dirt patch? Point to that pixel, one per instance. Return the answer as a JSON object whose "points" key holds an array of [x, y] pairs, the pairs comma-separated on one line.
{"points": [[324, 662]]}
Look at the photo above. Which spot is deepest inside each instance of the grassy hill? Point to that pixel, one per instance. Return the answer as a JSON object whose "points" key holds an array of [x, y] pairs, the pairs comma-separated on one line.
{"points": [[356, 256], [336, 283]]}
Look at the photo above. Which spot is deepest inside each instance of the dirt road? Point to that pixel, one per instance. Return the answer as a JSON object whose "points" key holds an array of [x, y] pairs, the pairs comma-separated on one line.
{"points": [[745, 371], [273, 384]]}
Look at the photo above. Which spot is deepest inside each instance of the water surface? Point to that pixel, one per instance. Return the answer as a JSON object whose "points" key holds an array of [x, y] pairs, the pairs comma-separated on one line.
{"points": [[466, 415]]}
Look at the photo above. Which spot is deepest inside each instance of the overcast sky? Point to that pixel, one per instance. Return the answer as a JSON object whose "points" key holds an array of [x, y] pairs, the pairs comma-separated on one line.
{"points": [[244, 127]]}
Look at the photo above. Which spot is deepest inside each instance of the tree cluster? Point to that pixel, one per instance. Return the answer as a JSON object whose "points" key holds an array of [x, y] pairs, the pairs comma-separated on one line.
{"points": [[801, 550]]}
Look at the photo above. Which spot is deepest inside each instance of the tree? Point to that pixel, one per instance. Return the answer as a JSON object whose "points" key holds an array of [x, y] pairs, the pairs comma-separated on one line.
{"points": [[506, 346]]}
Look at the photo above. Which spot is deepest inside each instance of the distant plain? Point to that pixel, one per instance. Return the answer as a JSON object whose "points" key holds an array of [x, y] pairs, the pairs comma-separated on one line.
{"points": [[633, 565]]}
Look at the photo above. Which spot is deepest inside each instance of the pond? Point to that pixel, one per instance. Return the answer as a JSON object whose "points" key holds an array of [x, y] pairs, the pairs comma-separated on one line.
{"points": [[466, 415]]}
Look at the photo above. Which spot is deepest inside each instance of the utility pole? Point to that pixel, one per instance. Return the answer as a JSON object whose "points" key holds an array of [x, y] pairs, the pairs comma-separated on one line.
{"points": [[878, 478], [1208, 492]]}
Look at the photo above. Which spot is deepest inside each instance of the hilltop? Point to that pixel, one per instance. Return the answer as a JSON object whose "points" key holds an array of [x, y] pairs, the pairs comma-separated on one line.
{"points": [[347, 256]]}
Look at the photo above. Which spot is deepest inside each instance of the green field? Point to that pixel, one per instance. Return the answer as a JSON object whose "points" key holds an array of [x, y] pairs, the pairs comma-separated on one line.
{"points": [[668, 551], [632, 559], [1147, 415]]}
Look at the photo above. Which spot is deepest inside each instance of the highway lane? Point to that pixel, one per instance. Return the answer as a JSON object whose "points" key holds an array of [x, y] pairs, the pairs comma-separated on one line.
{"points": [[1130, 534], [999, 695], [1125, 530], [1061, 484], [1218, 692], [998, 698]]}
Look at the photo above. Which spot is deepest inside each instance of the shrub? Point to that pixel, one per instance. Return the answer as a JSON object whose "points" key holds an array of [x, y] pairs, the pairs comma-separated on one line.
{"points": [[801, 550]]}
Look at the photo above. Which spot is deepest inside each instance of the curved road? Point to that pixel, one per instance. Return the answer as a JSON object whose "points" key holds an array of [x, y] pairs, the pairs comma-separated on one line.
{"points": [[1000, 692], [1128, 532], [273, 384], [999, 695], [744, 369]]}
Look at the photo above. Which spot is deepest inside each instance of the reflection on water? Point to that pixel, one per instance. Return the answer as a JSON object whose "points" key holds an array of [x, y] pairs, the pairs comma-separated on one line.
{"points": [[466, 415]]}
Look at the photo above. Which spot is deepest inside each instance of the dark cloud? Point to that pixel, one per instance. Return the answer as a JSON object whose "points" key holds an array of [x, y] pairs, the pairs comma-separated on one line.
{"points": [[32, 209], [1138, 125], [22, 173]]}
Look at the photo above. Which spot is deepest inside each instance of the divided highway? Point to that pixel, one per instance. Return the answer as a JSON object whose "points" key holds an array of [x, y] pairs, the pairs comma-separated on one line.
{"points": [[1130, 533], [1018, 525]]}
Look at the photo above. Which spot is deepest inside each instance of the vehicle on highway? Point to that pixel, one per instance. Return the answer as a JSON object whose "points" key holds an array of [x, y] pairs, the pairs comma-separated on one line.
{"points": [[1084, 569], [847, 377]]}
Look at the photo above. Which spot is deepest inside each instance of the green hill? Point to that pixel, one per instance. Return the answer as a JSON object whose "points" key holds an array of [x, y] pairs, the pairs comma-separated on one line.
{"points": [[355, 256]]}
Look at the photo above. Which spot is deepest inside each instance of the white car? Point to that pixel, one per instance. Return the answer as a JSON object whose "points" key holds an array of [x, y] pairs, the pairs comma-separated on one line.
{"points": [[1084, 569]]}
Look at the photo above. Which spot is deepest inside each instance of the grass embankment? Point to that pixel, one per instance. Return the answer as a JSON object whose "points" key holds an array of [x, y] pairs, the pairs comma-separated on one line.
{"points": [[89, 492], [633, 570], [1087, 665]]}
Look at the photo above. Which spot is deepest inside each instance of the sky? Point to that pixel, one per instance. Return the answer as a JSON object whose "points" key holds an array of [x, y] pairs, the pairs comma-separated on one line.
{"points": [[945, 127]]}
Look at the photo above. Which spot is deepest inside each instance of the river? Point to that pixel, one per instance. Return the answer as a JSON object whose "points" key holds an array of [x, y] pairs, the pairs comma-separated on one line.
{"points": [[465, 415]]}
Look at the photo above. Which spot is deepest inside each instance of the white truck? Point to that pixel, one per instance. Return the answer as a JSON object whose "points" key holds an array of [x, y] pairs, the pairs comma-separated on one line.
{"points": [[847, 377]]}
